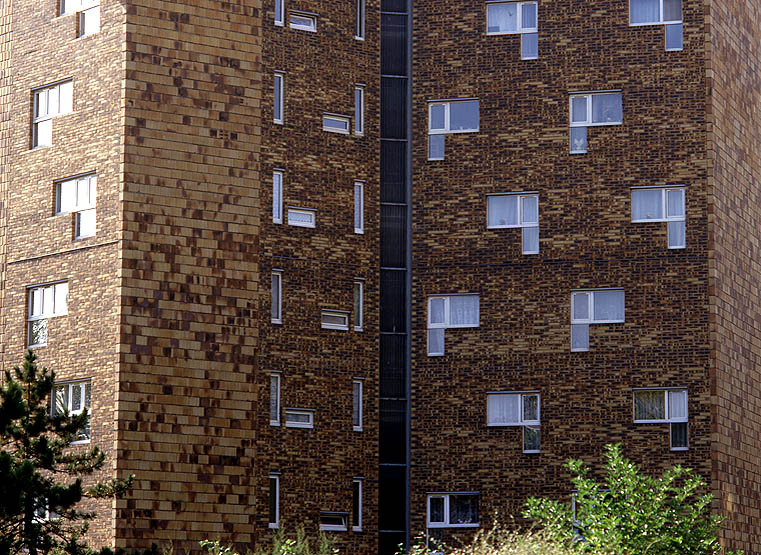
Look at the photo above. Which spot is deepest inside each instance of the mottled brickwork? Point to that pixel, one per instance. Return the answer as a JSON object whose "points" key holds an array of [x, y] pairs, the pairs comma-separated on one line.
{"points": [[189, 270], [587, 241], [733, 79]]}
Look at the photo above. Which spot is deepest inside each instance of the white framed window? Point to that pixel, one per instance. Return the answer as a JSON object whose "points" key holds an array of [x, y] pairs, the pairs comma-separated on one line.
{"points": [[591, 110], [275, 399], [335, 320], [43, 513], [359, 304], [274, 501], [277, 297], [359, 207], [77, 196], [301, 217], [454, 116], [334, 522], [598, 306], [359, 110], [516, 210], [359, 31], [49, 102], [674, 36], [356, 504], [508, 18], [453, 311], [452, 510], [436, 145], [45, 302], [279, 12], [335, 123], [277, 197], [654, 12], [356, 416], [664, 405], [299, 418], [661, 204], [73, 6], [303, 21], [279, 98], [88, 22], [512, 409], [72, 399]]}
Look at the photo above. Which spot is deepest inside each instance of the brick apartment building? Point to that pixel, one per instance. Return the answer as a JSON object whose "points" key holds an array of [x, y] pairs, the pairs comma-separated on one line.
{"points": [[379, 267]]}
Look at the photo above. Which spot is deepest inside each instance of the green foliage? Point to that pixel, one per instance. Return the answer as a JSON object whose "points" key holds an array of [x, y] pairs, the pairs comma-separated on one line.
{"points": [[40, 476], [632, 513], [499, 541], [280, 546]]}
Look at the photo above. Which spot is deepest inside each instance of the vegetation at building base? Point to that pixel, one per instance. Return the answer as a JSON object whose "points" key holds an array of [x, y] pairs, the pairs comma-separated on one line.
{"points": [[280, 546], [40, 474]]}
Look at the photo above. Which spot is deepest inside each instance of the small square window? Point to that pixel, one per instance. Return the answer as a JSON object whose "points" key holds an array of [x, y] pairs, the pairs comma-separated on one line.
{"points": [[299, 418], [72, 399], [45, 302], [335, 320], [453, 510], [336, 522], [303, 21]]}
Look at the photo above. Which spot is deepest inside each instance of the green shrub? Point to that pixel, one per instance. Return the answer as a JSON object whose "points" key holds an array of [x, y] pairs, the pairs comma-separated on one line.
{"points": [[280, 546], [500, 541]]}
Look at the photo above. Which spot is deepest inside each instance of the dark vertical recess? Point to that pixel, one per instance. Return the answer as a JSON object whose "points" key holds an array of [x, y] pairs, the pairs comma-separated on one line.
{"points": [[395, 278]]}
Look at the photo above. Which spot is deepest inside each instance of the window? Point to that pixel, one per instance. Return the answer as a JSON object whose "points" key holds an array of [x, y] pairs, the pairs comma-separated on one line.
{"points": [[359, 304], [274, 399], [601, 306], [304, 21], [357, 405], [274, 501], [592, 109], [664, 406], [661, 204], [456, 311], [507, 18], [359, 32], [335, 320], [77, 196], [359, 110], [299, 418], [356, 505], [654, 12], [516, 210], [278, 99], [453, 510], [277, 297], [45, 302], [277, 197], [88, 15], [335, 123], [516, 409], [301, 217], [72, 399], [49, 102], [279, 12], [336, 522], [359, 207], [461, 116]]}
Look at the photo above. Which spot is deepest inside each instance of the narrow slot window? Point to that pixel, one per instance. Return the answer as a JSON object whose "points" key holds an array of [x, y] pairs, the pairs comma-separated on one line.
{"points": [[359, 32], [357, 405], [73, 399], [359, 207], [359, 305], [274, 399], [277, 197], [356, 505], [279, 12], [277, 298], [359, 110], [335, 522], [592, 109], [274, 501], [674, 37], [45, 302], [278, 104]]}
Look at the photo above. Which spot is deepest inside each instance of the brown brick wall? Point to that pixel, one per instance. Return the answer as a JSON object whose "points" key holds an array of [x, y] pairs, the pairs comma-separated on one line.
{"points": [[187, 397], [733, 79]]}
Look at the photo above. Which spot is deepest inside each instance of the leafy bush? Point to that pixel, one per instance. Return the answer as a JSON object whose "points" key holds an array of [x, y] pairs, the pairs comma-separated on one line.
{"points": [[280, 546]]}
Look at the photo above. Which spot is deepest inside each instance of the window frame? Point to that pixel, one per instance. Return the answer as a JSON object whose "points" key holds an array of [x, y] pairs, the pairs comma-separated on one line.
{"points": [[447, 314], [356, 505], [38, 119], [334, 527], [279, 17], [664, 203], [591, 306], [303, 211], [346, 130], [359, 317], [357, 390], [331, 312], [276, 378], [447, 514], [521, 395], [661, 20], [666, 405], [359, 207], [588, 122], [277, 207], [359, 109], [84, 384], [519, 19], [277, 274], [302, 412], [278, 98], [82, 17], [275, 476], [57, 288], [304, 15], [447, 129], [360, 23], [520, 196]]}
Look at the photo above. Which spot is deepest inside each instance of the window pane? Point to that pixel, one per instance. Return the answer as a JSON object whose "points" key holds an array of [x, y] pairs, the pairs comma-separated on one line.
{"points": [[66, 97], [298, 418], [503, 409], [437, 116], [358, 207], [436, 341], [531, 438], [502, 210], [679, 435], [672, 10], [36, 302], [44, 133], [578, 109], [606, 108], [41, 103], [277, 197], [528, 16], [647, 204], [579, 337], [89, 21], [76, 398], [502, 18], [273, 501], [530, 407], [578, 139], [436, 147], [359, 110], [674, 37], [463, 116], [278, 101], [463, 310], [644, 11], [356, 503], [676, 235], [331, 319], [580, 307], [276, 296], [678, 405], [529, 46], [274, 398], [85, 224], [61, 298], [675, 203], [61, 399], [54, 96], [357, 405], [437, 311], [358, 318], [609, 305], [649, 405], [530, 212], [303, 22], [38, 332], [530, 240], [436, 509], [463, 509], [48, 302]]}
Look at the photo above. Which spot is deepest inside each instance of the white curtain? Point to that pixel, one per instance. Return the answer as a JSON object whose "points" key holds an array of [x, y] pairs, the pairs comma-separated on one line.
{"points": [[609, 305], [677, 235], [436, 307], [607, 108], [502, 210], [675, 203], [529, 45], [502, 18], [528, 16], [672, 10], [463, 311], [436, 341], [463, 116], [644, 11], [579, 337], [647, 204], [530, 211], [503, 409], [580, 306], [678, 405], [649, 405], [530, 408]]}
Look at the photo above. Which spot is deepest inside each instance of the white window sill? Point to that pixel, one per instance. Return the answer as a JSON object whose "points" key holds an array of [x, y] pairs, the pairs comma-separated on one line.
{"points": [[443, 525], [292, 425], [531, 452], [677, 22], [601, 124], [521, 32], [274, 422], [357, 428], [274, 526], [452, 132], [307, 29], [329, 528], [80, 442], [338, 328]]}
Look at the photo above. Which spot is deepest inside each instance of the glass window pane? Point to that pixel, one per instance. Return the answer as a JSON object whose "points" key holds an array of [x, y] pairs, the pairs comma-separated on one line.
{"points": [[358, 305], [679, 435], [436, 308], [437, 115], [48, 302], [358, 207], [463, 116], [43, 133], [531, 240], [38, 332], [358, 110], [278, 102], [463, 310], [436, 341], [54, 97], [579, 337], [530, 407], [436, 509], [89, 21], [66, 91], [531, 438], [647, 204], [578, 139], [85, 224], [502, 210], [88, 394], [580, 307], [678, 405], [463, 509], [529, 46], [76, 398], [677, 235], [274, 398], [273, 501], [674, 37], [606, 108], [644, 11], [436, 147], [277, 197], [675, 203], [61, 298], [278, 11], [579, 109], [41, 104], [503, 409], [528, 16], [502, 18], [36, 302], [61, 399], [276, 296], [530, 211], [649, 405], [609, 305], [672, 10], [357, 405], [335, 124]]}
